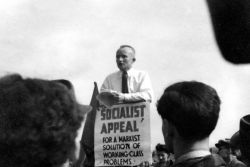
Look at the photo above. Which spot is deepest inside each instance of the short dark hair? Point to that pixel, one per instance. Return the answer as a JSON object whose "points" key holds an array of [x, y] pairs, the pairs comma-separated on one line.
{"points": [[127, 46], [38, 122], [192, 107]]}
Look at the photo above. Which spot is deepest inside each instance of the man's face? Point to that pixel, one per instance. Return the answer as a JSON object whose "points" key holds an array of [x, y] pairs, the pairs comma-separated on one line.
{"points": [[168, 136], [124, 58], [224, 152], [161, 156]]}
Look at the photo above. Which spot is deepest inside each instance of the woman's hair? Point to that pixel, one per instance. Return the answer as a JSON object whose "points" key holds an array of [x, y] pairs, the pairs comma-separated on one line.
{"points": [[38, 122]]}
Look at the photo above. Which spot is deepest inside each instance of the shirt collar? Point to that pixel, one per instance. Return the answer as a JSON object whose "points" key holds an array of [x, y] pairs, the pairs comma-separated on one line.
{"points": [[130, 72], [192, 154]]}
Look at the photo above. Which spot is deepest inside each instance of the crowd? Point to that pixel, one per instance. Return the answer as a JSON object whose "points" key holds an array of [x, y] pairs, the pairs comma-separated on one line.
{"points": [[228, 149], [41, 122], [41, 119]]}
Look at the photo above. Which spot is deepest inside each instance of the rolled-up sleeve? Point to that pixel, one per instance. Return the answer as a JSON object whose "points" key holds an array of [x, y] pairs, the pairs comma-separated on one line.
{"points": [[139, 84], [144, 91]]}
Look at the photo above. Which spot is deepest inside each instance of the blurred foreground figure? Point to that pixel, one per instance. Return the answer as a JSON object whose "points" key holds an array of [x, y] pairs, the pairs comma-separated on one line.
{"points": [[39, 122], [231, 23], [189, 112]]}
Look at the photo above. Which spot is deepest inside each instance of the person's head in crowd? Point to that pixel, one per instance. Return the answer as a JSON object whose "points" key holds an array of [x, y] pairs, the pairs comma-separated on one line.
{"points": [[39, 122], [225, 152], [235, 145], [245, 139], [125, 57], [161, 156], [161, 152], [189, 111], [224, 149]]}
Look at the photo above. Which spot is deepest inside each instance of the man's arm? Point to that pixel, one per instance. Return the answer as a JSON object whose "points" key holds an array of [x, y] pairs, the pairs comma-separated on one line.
{"points": [[105, 86], [145, 91]]}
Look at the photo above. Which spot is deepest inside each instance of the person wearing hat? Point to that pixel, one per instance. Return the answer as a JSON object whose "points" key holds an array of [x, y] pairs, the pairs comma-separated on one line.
{"points": [[189, 112], [226, 153], [224, 149], [163, 158], [241, 139], [40, 122], [235, 145], [127, 84]]}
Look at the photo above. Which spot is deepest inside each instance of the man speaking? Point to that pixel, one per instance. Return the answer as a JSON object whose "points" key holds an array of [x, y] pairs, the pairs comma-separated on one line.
{"points": [[127, 84]]}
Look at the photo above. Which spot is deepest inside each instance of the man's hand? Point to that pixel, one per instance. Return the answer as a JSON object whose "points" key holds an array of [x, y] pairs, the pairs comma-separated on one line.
{"points": [[118, 97], [106, 98], [111, 98]]}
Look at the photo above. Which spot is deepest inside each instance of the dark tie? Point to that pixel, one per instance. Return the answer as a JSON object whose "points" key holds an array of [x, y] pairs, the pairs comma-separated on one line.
{"points": [[124, 82]]}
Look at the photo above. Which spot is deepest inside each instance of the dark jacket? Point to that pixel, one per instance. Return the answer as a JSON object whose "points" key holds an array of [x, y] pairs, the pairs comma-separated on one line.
{"points": [[212, 160]]}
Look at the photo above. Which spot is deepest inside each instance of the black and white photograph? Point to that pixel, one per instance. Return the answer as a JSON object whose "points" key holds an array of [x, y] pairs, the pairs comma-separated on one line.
{"points": [[140, 83]]}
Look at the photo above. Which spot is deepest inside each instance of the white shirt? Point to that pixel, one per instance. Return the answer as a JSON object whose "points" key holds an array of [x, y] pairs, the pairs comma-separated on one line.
{"points": [[139, 85]]}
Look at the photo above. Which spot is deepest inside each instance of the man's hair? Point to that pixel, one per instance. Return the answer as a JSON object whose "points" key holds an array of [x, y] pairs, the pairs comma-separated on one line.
{"points": [[192, 107], [127, 46], [38, 122]]}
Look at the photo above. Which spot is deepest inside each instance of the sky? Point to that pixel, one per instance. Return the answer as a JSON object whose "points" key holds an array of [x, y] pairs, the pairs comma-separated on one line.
{"points": [[77, 40]]}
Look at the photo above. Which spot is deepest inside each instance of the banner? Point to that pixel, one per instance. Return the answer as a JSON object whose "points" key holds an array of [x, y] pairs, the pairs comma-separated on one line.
{"points": [[86, 157], [122, 135]]}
